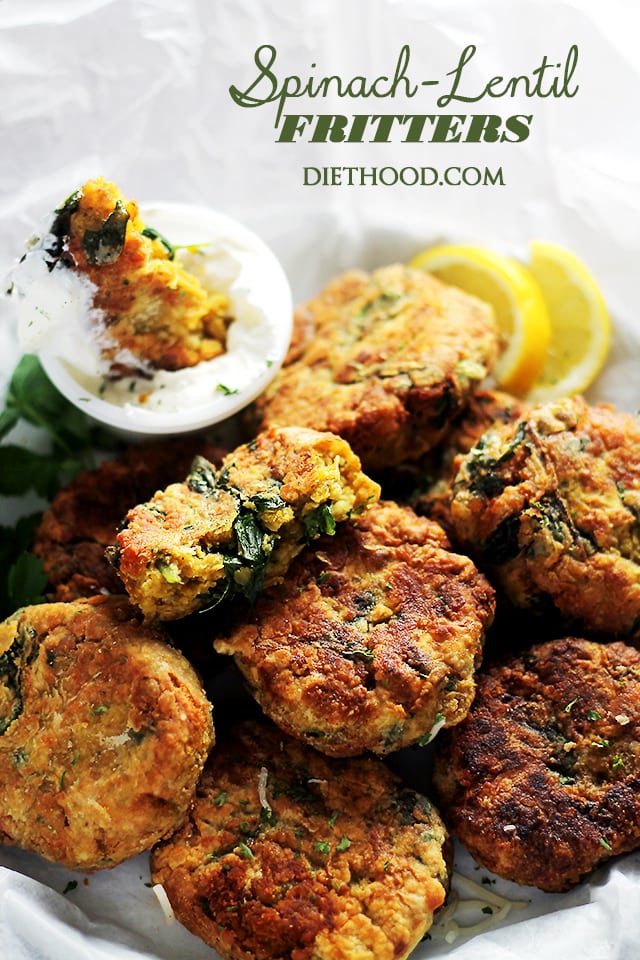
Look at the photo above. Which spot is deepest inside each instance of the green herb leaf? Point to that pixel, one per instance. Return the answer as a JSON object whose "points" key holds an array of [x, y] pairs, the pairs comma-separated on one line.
{"points": [[32, 397], [202, 477], [24, 470], [106, 244], [246, 851], [26, 581], [249, 536], [154, 234], [73, 440]]}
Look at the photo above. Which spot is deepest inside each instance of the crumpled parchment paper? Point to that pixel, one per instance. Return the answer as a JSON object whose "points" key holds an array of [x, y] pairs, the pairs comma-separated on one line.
{"points": [[137, 91]]}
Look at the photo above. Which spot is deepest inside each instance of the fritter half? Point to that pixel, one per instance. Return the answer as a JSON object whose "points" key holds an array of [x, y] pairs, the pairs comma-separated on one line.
{"points": [[436, 472], [104, 731], [372, 640], [291, 856], [233, 530], [550, 508], [385, 360], [541, 781], [154, 314], [84, 516]]}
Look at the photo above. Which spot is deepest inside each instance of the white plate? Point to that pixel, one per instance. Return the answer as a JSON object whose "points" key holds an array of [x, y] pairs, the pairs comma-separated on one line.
{"points": [[235, 261]]}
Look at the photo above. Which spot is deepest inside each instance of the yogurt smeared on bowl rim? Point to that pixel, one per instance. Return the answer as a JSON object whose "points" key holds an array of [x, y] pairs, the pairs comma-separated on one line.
{"points": [[57, 320]]}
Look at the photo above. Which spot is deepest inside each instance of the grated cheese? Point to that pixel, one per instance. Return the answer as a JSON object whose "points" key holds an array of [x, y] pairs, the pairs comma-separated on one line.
{"points": [[449, 925], [163, 900], [263, 776]]}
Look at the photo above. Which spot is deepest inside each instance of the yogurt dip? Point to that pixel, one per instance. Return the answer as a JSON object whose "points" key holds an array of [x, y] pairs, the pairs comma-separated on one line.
{"points": [[57, 320]]}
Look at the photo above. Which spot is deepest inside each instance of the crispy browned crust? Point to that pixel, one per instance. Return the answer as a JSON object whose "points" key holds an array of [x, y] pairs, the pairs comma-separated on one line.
{"points": [[228, 531], [83, 518], [372, 640], [541, 781], [152, 307], [105, 730], [485, 409], [550, 507], [385, 360], [289, 855]]}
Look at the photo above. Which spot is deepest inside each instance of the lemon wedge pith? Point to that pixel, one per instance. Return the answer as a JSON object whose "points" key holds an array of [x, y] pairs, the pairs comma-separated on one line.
{"points": [[580, 323], [519, 307]]}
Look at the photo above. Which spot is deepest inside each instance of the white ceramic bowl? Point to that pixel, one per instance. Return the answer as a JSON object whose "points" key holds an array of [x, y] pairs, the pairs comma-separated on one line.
{"points": [[193, 398]]}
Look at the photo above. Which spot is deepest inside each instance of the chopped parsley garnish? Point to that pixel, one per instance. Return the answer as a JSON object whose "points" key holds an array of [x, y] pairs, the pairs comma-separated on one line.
{"points": [[323, 847], [154, 234], [344, 844], [72, 440]]}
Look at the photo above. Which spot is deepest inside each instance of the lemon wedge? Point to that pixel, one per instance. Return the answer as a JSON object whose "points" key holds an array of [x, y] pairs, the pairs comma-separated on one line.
{"points": [[580, 323], [519, 307]]}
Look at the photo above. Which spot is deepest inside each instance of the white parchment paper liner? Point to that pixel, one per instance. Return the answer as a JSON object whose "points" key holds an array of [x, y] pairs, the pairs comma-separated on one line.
{"points": [[136, 90]]}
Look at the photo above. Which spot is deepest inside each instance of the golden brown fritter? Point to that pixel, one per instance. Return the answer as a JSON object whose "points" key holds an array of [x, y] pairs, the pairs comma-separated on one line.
{"points": [[372, 640], [541, 781], [104, 730], [289, 855], [84, 516], [385, 360], [550, 507], [153, 309], [233, 530]]}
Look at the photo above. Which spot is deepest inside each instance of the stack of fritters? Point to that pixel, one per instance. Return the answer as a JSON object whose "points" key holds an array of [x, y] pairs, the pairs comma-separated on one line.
{"points": [[359, 626]]}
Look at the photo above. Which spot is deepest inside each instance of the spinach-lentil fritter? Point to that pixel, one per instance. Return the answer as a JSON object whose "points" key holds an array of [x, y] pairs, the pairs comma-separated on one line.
{"points": [[549, 506], [287, 855]]}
